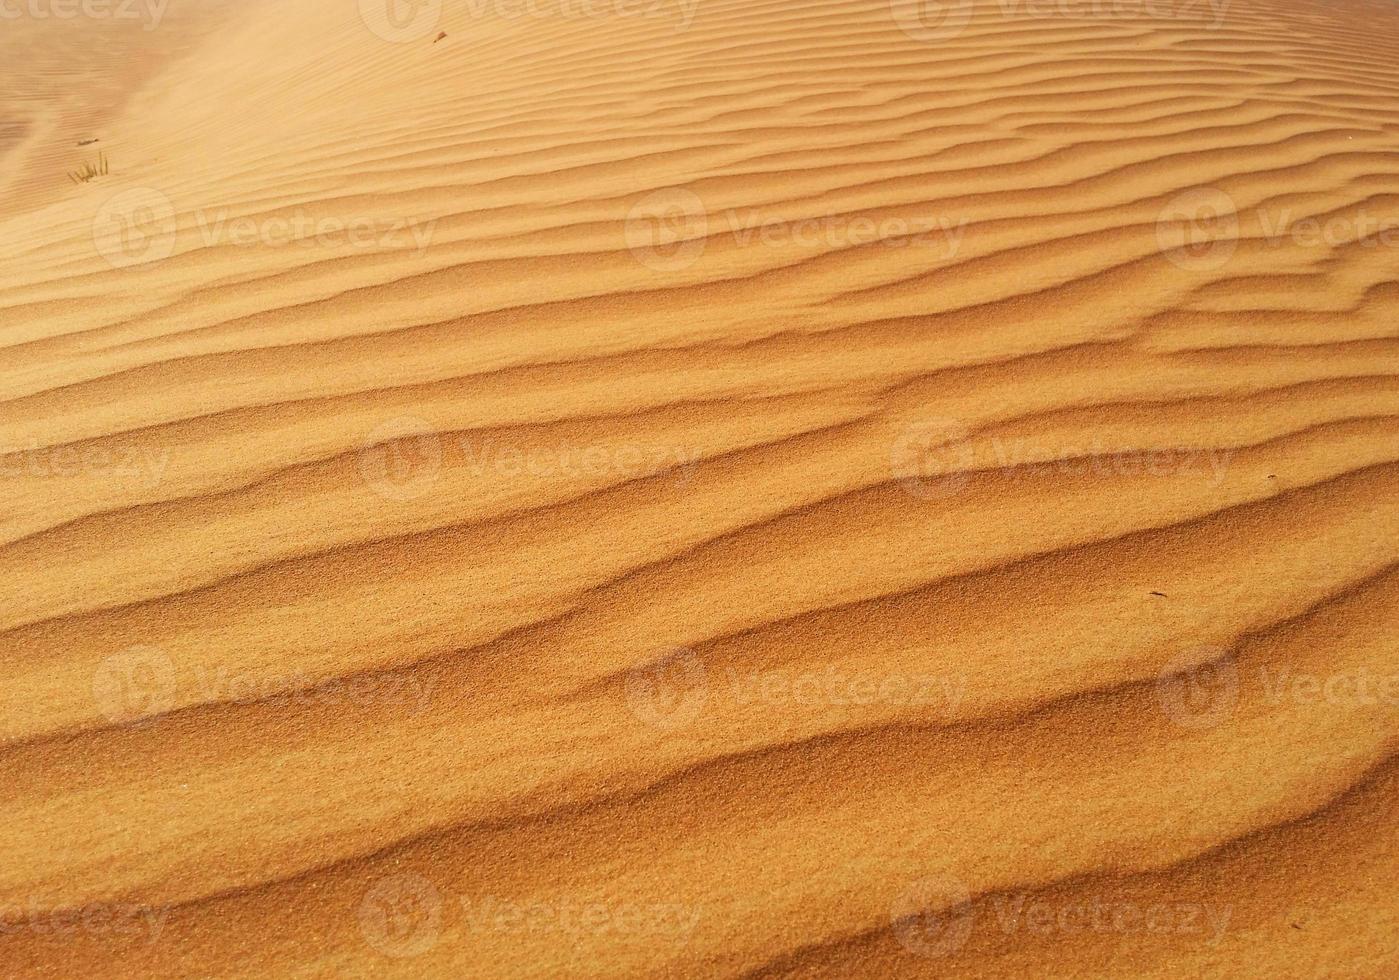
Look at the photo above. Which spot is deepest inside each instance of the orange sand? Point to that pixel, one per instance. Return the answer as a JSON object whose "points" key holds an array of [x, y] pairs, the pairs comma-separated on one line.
{"points": [[696, 488]]}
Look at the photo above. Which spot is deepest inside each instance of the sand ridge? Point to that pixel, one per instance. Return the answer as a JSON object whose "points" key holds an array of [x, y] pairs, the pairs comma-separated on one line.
{"points": [[700, 488]]}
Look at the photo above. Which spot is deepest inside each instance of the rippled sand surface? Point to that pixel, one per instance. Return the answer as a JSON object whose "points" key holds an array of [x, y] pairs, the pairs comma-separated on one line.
{"points": [[700, 488]]}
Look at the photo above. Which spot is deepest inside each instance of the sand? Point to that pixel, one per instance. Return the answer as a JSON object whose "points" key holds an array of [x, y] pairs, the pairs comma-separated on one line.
{"points": [[700, 488]]}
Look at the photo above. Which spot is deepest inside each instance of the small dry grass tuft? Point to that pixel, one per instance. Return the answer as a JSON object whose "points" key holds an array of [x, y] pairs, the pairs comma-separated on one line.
{"points": [[90, 171]]}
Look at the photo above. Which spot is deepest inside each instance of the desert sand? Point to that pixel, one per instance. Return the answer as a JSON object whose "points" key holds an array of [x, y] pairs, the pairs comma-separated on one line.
{"points": [[699, 488]]}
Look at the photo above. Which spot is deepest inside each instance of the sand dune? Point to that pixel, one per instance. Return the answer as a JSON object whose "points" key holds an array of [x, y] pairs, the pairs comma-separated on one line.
{"points": [[700, 488]]}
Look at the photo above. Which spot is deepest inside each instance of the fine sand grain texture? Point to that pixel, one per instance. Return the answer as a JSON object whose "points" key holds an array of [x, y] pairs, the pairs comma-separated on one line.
{"points": [[700, 488]]}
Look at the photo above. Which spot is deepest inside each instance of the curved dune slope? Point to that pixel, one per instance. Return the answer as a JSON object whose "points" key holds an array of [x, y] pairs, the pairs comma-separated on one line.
{"points": [[701, 488]]}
